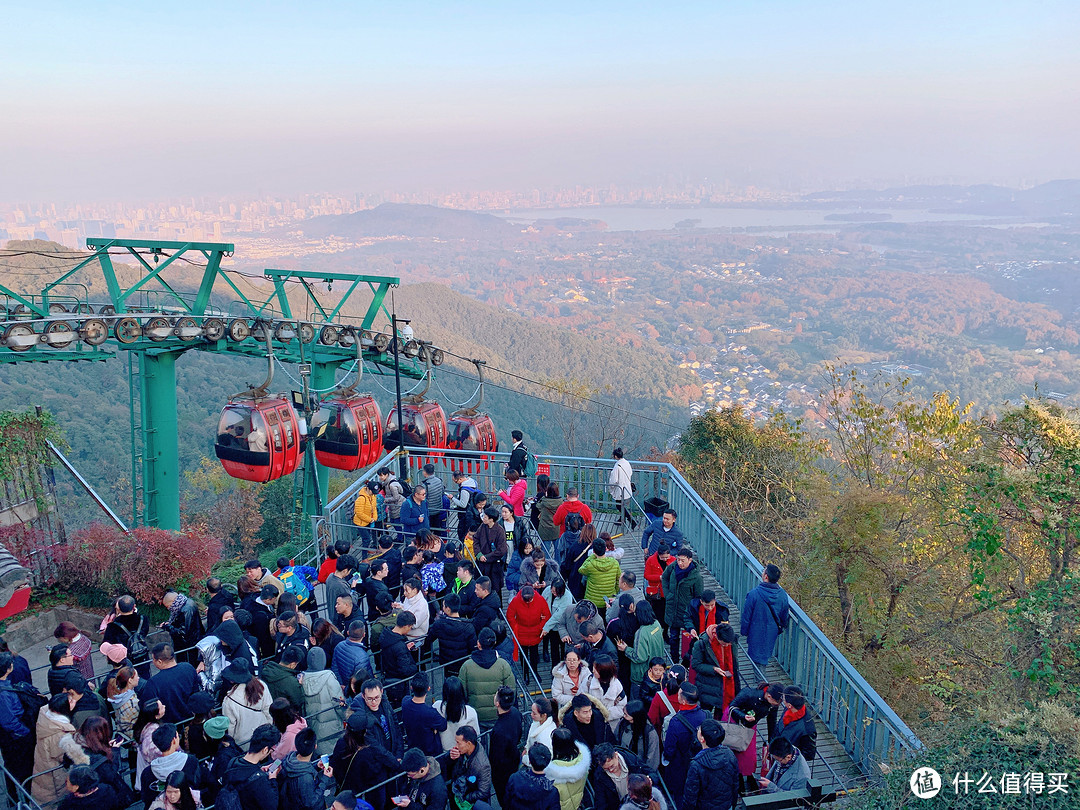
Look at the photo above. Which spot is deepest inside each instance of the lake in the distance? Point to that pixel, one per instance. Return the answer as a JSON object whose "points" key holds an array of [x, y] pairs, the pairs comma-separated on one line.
{"points": [[661, 219]]}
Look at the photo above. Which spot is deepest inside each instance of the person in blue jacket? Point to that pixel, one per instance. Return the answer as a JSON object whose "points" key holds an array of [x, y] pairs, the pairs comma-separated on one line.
{"points": [[16, 744], [414, 512], [662, 530], [764, 616]]}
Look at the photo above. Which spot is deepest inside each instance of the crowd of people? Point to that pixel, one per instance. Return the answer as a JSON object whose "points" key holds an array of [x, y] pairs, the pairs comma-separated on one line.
{"points": [[404, 686]]}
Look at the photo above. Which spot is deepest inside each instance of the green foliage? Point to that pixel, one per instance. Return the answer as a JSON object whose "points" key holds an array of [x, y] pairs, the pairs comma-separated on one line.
{"points": [[1042, 738], [24, 437]]}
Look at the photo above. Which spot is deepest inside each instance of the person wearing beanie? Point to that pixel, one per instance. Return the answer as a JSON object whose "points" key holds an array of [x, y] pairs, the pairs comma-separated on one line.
{"points": [[482, 676], [322, 699]]}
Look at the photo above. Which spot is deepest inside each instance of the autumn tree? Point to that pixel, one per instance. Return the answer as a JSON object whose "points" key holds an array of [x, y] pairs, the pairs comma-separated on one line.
{"points": [[593, 421], [229, 508], [1024, 519]]}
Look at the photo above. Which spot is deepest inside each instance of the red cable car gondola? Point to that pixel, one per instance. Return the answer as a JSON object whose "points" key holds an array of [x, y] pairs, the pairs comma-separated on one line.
{"points": [[258, 436], [348, 429], [423, 425], [471, 430]]}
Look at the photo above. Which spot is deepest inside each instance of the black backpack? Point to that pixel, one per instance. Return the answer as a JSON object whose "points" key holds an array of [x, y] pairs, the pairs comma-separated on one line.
{"points": [[31, 701], [138, 649], [228, 797], [406, 487]]}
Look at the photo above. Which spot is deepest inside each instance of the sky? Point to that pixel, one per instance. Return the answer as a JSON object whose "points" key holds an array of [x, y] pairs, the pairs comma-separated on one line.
{"points": [[112, 100]]}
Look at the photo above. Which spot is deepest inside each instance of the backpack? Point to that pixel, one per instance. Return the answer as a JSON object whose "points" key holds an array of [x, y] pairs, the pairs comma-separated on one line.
{"points": [[667, 722], [228, 797], [380, 507], [406, 487], [528, 469], [295, 584], [31, 701], [138, 649]]}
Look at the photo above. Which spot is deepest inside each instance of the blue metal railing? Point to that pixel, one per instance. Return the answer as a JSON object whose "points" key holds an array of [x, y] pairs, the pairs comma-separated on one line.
{"points": [[870, 731]]}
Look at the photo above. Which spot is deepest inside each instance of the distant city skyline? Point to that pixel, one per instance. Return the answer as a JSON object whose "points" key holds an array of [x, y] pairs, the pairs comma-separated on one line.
{"points": [[133, 101]]}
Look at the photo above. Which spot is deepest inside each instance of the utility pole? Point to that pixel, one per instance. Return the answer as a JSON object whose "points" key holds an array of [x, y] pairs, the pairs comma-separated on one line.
{"points": [[403, 470]]}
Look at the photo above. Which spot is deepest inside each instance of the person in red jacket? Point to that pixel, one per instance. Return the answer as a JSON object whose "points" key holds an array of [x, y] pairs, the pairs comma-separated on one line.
{"points": [[654, 576], [528, 613], [571, 504]]}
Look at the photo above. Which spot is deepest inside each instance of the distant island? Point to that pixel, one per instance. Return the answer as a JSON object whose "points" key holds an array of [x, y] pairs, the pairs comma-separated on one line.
{"points": [[686, 224], [857, 216]]}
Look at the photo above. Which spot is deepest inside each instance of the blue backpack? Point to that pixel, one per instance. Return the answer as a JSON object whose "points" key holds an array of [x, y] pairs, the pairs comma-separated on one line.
{"points": [[295, 584]]}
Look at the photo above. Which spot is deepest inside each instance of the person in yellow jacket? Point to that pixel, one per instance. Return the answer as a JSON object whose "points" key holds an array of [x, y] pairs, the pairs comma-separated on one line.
{"points": [[365, 512]]}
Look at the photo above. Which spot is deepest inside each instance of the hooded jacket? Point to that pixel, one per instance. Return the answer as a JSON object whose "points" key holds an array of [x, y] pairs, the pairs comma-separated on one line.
{"points": [[482, 676], [282, 682], [486, 611], [54, 740], [757, 624], [679, 591], [534, 791], [322, 699], [601, 578], [547, 508], [257, 791], [569, 777], [218, 604], [365, 510], [429, 792], [712, 783], [456, 636], [648, 643], [301, 784]]}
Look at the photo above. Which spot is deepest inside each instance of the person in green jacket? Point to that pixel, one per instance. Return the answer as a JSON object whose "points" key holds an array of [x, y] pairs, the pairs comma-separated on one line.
{"points": [[648, 642], [482, 676], [281, 677], [681, 583], [601, 575]]}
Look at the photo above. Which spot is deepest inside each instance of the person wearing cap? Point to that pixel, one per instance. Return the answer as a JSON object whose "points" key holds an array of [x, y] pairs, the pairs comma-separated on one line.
{"points": [[193, 735], [116, 656], [247, 701], [351, 654], [426, 788], [223, 748], [322, 697], [482, 676]]}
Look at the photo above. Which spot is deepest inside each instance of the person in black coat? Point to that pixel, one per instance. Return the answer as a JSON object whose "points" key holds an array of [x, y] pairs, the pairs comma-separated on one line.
{"points": [[392, 557], [456, 635], [87, 792], [755, 702], [426, 787], [796, 725], [61, 662], [358, 765], [398, 663], [608, 760], [465, 588], [184, 625], [220, 601], [530, 787], [375, 587], [586, 724], [256, 789], [487, 610], [263, 608], [712, 783], [504, 747]]}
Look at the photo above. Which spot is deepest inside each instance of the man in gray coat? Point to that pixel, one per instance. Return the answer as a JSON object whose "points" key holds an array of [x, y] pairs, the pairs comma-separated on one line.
{"points": [[435, 490]]}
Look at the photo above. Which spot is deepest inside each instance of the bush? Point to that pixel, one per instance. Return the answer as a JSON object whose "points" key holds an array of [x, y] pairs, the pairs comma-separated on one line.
{"points": [[1040, 739], [145, 564]]}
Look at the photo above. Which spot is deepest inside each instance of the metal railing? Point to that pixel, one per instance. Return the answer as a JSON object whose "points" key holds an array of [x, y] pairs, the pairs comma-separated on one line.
{"points": [[868, 728]]}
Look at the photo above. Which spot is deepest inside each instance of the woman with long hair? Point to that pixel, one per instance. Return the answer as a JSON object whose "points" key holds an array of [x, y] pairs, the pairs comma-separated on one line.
{"points": [[178, 794], [455, 707], [95, 737], [637, 734], [569, 768], [150, 714], [515, 495], [522, 548], [641, 794], [123, 701], [289, 722], [359, 766], [326, 637], [604, 685], [247, 701]]}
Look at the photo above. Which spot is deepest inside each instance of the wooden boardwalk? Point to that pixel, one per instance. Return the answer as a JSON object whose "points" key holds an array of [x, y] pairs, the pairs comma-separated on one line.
{"points": [[833, 767]]}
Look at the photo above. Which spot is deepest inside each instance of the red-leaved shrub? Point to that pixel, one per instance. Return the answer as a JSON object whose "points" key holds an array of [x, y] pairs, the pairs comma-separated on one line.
{"points": [[146, 564]]}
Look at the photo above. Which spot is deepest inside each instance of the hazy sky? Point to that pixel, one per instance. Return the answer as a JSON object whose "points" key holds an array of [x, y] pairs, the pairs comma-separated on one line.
{"points": [[115, 99]]}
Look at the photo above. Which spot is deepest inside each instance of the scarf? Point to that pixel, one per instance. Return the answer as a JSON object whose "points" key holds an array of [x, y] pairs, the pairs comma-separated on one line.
{"points": [[176, 607], [725, 661], [706, 618], [683, 573], [791, 715]]}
